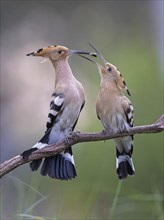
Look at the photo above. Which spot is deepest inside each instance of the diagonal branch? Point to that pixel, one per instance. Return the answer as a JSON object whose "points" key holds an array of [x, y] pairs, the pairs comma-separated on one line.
{"points": [[75, 138]]}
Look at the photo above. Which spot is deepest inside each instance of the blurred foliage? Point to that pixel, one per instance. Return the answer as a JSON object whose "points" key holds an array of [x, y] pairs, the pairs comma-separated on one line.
{"points": [[130, 35]]}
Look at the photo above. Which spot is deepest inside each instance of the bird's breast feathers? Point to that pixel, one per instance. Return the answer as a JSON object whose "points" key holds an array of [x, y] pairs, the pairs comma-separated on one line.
{"points": [[114, 112]]}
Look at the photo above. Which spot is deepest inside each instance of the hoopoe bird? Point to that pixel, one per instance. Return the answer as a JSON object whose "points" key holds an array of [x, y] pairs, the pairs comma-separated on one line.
{"points": [[66, 104], [115, 111]]}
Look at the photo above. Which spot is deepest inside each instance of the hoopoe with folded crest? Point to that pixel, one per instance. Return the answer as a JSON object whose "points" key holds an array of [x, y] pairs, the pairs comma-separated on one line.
{"points": [[67, 102], [116, 113]]}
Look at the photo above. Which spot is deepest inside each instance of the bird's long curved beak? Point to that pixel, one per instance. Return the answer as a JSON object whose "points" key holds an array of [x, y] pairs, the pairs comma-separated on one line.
{"points": [[70, 52], [98, 53]]}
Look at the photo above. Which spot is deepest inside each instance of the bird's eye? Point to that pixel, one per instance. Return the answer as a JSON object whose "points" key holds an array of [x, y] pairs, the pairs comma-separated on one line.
{"points": [[59, 51], [110, 69]]}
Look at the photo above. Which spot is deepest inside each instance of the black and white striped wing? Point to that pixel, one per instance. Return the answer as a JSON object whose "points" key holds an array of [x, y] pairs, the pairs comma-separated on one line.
{"points": [[128, 111], [130, 115], [55, 108]]}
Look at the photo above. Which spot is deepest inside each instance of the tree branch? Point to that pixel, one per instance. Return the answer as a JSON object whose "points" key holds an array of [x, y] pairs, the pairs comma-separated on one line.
{"points": [[75, 138]]}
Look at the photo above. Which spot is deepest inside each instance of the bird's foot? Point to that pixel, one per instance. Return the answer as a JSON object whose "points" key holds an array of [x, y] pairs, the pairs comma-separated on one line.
{"points": [[107, 131], [74, 134], [71, 135], [66, 139], [104, 132]]}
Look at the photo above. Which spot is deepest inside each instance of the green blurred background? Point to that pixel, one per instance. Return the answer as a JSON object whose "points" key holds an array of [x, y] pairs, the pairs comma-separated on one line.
{"points": [[130, 35]]}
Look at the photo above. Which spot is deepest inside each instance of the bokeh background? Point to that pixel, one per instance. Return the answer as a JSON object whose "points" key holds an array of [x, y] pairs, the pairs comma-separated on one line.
{"points": [[130, 35]]}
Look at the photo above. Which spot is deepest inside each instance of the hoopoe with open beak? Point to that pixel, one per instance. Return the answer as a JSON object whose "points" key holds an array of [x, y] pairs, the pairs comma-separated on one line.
{"points": [[65, 107], [116, 113]]}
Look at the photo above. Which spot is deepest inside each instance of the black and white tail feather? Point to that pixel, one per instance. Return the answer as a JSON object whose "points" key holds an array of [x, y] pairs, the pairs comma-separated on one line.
{"points": [[124, 149], [60, 166]]}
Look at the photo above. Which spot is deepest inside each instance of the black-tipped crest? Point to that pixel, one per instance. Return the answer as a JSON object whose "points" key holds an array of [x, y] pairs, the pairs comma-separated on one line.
{"points": [[39, 50], [30, 54], [101, 57]]}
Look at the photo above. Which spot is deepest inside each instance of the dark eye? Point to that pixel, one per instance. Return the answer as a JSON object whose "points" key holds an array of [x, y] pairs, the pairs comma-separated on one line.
{"points": [[110, 69], [59, 51]]}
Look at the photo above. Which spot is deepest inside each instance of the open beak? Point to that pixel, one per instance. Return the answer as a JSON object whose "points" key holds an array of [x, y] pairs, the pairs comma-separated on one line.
{"points": [[97, 52], [70, 52], [97, 64]]}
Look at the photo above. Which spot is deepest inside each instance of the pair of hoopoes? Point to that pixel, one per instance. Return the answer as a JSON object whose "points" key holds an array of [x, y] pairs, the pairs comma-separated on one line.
{"points": [[113, 108]]}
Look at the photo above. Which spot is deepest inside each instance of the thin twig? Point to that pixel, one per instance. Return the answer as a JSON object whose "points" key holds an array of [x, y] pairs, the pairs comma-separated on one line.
{"points": [[75, 138]]}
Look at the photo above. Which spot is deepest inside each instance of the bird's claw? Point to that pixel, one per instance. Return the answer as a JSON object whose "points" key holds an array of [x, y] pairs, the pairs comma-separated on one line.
{"points": [[71, 135], [74, 134], [104, 132]]}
